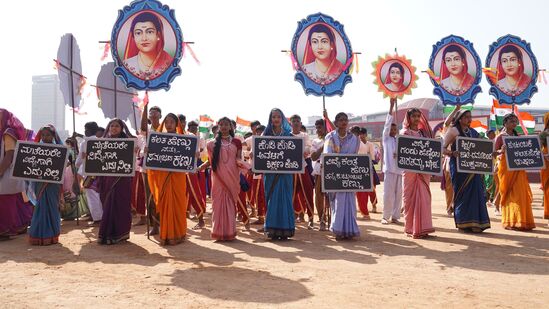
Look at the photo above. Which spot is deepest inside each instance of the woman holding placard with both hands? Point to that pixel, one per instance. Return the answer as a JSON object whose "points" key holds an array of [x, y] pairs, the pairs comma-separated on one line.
{"points": [[343, 204], [46, 220], [115, 193], [168, 190], [470, 213], [416, 194], [279, 221], [516, 195]]}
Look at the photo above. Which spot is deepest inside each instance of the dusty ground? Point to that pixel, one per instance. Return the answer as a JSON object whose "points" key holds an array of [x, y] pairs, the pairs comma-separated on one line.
{"points": [[383, 268]]}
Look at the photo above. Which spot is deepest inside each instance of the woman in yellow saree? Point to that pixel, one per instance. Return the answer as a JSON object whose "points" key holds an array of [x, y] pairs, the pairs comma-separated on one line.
{"points": [[169, 193], [516, 195]]}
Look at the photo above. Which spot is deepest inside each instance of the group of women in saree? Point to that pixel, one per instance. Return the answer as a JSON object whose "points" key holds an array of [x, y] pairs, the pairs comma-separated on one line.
{"points": [[470, 191], [168, 189]]}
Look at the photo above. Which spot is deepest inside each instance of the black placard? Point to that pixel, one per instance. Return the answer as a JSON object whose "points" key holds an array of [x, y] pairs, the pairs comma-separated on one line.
{"points": [[40, 162], [110, 157], [278, 154], [475, 155], [346, 173], [419, 154], [171, 152], [523, 152]]}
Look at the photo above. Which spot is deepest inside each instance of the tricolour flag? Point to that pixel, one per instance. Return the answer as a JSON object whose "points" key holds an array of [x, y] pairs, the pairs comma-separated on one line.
{"points": [[528, 122], [205, 124], [500, 110], [479, 127], [450, 108], [242, 126], [497, 113]]}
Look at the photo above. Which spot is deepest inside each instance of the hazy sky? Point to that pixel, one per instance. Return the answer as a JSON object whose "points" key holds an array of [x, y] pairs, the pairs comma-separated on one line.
{"points": [[238, 43]]}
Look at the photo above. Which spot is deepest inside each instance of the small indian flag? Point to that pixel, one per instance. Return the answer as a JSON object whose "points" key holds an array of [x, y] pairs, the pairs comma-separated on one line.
{"points": [[450, 108], [242, 126], [479, 127], [205, 124], [497, 113], [528, 122]]}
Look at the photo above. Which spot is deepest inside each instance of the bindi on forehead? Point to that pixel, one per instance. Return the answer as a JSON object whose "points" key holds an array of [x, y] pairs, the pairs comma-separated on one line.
{"points": [[145, 25]]}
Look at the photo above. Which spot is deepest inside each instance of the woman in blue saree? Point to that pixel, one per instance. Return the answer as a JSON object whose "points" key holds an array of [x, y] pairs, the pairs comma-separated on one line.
{"points": [[280, 220], [343, 204], [470, 213], [46, 220]]}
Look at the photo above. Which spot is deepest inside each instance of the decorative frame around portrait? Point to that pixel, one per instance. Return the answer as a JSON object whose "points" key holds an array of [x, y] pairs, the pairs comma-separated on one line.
{"points": [[163, 81], [524, 96], [380, 63], [446, 97], [337, 86]]}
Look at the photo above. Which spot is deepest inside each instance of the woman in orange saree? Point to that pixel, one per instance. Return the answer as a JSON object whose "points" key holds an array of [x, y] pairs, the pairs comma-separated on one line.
{"points": [[169, 192], [516, 195]]}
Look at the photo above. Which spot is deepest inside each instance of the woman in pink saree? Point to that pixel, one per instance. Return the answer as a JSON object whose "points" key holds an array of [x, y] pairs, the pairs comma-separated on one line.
{"points": [[145, 56], [416, 194], [320, 59], [224, 156]]}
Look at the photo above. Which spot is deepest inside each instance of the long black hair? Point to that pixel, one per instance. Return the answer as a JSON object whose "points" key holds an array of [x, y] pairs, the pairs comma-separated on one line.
{"points": [[217, 145], [124, 132]]}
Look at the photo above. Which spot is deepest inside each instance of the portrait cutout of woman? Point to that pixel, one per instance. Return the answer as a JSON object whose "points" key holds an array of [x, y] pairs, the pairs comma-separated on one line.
{"points": [[510, 72], [454, 74], [394, 80], [145, 56], [320, 59]]}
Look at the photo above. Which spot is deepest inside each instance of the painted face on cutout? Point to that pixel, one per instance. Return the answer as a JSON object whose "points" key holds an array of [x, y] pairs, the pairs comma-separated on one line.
{"points": [[146, 36], [321, 45], [510, 63], [395, 75], [454, 63]]}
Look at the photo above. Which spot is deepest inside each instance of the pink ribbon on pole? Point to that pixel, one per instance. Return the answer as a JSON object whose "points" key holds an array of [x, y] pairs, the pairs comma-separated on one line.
{"points": [[106, 49], [185, 46]]}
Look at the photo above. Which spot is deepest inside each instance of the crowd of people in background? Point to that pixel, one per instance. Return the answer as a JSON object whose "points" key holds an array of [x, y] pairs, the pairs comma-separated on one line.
{"points": [[274, 203]]}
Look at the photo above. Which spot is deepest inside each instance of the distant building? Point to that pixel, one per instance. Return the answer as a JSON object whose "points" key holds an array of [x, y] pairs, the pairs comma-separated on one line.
{"points": [[434, 110], [48, 106], [312, 119]]}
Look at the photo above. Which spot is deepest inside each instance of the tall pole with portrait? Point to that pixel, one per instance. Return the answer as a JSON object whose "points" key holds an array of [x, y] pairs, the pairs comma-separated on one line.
{"points": [[512, 70], [395, 76], [147, 45], [322, 55]]}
